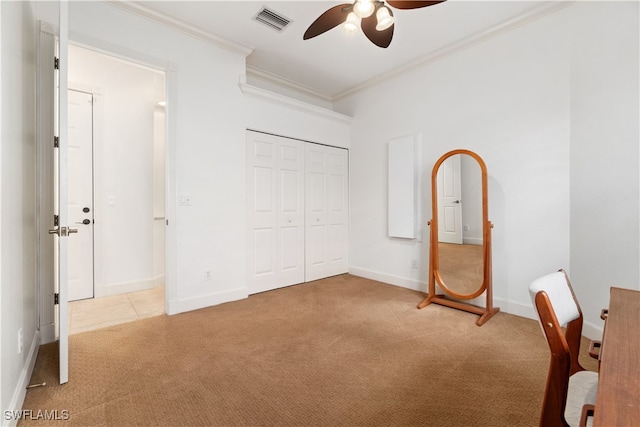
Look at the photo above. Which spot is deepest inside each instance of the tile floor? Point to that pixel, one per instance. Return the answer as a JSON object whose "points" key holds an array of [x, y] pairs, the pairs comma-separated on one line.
{"points": [[89, 314]]}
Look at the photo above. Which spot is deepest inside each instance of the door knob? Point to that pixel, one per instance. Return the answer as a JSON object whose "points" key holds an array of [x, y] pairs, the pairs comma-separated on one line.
{"points": [[85, 221], [85, 210], [456, 201], [63, 231]]}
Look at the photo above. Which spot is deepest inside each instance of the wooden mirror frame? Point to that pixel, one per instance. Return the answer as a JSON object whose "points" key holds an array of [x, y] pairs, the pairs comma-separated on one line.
{"points": [[488, 310]]}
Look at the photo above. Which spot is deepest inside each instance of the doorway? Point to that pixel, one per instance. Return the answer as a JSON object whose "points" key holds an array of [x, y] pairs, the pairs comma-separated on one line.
{"points": [[118, 204]]}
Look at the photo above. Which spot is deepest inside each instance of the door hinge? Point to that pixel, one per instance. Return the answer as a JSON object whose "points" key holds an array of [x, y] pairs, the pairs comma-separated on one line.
{"points": [[56, 220], [56, 142], [56, 63], [56, 299]]}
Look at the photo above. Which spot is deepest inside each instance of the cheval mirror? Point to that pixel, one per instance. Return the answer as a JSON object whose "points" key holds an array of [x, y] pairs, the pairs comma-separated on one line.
{"points": [[460, 234]]}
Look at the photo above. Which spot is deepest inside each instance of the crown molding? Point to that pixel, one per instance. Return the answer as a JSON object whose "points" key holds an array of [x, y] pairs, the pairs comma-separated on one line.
{"points": [[288, 83], [478, 38], [176, 24], [275, 98]]}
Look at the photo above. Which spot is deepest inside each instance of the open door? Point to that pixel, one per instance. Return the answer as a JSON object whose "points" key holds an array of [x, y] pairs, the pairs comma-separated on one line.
{"points": [[450, 201], [61, 229]]}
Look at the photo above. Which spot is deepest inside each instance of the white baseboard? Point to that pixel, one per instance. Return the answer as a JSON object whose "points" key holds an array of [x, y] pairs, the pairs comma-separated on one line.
{"points": [[23, 381], [195, 303], [472, 241], [391, 279], [103, 290], [47, 333]]}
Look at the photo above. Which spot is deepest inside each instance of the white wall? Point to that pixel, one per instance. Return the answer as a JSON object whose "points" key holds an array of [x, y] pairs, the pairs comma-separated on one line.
{"points": [[125, 231], [552, 107], [206, 149], [507, 100], [17, 202], [604, 152], [271, 113]]}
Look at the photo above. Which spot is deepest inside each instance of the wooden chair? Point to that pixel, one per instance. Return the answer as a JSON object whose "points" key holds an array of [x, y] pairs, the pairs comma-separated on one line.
{"points": [[570, 391]]}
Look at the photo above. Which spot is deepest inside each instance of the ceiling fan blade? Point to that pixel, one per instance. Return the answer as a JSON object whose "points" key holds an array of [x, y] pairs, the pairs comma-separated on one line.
{"points": [[409, 4], [379, 38], [329, 19]]}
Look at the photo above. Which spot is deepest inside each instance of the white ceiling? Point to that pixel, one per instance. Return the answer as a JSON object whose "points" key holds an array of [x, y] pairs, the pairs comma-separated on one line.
{"points": [[334, 63]]}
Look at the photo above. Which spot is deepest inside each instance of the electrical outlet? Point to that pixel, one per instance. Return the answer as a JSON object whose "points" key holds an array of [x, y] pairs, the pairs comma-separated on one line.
{"points": [[208, 275], [414, 263], [466, 228], [20, 341], [185, 200]]}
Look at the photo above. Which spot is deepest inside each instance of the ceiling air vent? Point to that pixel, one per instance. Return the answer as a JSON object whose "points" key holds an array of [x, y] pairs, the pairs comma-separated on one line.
{"points": [[272, 19]]}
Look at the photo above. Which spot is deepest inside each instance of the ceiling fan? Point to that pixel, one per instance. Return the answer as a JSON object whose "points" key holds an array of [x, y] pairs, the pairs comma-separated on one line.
{"points": [[375, 19]]}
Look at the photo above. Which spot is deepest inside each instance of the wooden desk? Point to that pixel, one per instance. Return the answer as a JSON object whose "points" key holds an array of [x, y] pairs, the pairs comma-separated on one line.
{"points": [[618, 398]]}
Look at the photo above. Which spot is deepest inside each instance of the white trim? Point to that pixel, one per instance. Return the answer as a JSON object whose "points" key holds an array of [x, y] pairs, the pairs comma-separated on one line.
{"points": [[20, 392], [47, 333], [46, 27], [109, 289], [116, 52], [591, 331], [405, 282], [182, 305], [182, 26], [265, 75], [1, 204], [536, 13], [265, 95]]}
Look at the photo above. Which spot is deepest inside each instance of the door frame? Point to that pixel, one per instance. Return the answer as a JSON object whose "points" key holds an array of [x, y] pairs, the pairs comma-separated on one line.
{"points": [[96, 151], [171, 78]]}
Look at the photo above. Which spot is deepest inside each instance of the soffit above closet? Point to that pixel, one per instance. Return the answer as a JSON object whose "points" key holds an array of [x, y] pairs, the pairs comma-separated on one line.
{"points": [[335, 64]]}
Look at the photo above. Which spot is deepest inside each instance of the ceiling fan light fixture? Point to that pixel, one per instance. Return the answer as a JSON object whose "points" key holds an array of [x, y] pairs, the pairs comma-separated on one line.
{"points": [[385, 20], [364, 8], [352, 24]]}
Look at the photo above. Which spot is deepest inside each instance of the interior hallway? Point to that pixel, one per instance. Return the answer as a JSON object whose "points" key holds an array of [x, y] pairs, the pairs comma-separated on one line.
{"points": [[95, 313]]}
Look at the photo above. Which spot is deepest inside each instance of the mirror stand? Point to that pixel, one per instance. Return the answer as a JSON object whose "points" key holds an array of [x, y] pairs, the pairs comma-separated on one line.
{"points": [[485, 312], [459, 204]]}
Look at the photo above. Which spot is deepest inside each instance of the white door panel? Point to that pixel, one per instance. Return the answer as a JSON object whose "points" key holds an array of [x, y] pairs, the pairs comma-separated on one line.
{"points": [[299, 191], [275, 212], [327, 214], [61, 167], [80, 170], [449, 187], [262, 243]]}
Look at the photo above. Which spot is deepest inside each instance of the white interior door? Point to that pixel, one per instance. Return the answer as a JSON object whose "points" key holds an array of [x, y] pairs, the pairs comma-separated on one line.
{"points": [[62, 327], [275, 211], [80, 193], [450, 201], [326, 200]]}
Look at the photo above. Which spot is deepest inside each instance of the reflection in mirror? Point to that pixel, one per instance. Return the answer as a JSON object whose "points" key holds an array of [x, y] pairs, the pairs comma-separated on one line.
{"points": [[461, 267], [460, 257], [460, 241]]}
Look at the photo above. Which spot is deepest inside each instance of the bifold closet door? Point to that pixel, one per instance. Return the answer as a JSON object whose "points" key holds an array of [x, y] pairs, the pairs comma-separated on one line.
{"points": [[326, 200], [275, 211]]}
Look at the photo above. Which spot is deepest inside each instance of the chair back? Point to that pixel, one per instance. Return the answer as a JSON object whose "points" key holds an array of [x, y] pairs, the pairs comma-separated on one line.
{"points": [[558, 308]]}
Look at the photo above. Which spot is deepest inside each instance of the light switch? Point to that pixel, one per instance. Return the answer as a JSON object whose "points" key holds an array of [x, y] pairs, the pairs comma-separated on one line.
{"points": [[185, 200], [111, 200]]}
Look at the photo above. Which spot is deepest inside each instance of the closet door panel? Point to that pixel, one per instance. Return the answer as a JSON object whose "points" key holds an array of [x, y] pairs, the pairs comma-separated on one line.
{"points": [[338, 215], [326, 199], [262, 213], [291, 212]]}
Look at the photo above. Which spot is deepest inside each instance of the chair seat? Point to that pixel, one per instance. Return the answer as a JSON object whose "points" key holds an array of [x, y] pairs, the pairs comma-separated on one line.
{"points": [[583, 387]]}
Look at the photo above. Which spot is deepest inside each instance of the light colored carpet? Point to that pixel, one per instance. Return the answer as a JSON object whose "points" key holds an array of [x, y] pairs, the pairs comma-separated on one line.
{"points": [[461, 267], [343, 351]]}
